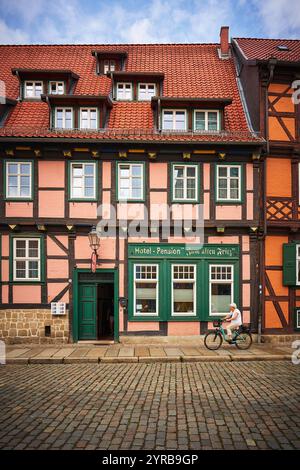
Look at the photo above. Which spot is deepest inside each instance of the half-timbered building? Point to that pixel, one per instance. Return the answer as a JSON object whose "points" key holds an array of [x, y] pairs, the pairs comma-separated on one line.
{"points": [[137, 129], [268, 70]]}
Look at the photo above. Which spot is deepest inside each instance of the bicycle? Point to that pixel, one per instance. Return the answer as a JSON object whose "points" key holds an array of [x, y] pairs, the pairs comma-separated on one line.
{"points": [[241, 337]]}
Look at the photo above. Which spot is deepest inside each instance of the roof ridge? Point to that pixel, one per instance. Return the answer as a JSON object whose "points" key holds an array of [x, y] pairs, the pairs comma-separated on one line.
{"points": [[267, 39], [117, 44]]}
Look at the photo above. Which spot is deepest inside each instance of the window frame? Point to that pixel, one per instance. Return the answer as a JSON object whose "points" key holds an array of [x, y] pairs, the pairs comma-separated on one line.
{"points": [[297, 263], [64, 117], [34, 82], [197, 180], [223, 201], [57, 82], [70, 182], [5, 180], [136, 314], [109, 65], [210, 282], [206, 111], [147, 85], [143, 177], [12, 264], [89, 108], [174, 111], [124, 87], [185, 281]]}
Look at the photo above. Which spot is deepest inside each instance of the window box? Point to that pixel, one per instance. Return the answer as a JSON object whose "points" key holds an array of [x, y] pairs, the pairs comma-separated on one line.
{"points": [[130, 181], [82, 181], [33, 89], [185, 183], [19, 180], [174, 120], [206, 120], [124, 91], [229, 184]]}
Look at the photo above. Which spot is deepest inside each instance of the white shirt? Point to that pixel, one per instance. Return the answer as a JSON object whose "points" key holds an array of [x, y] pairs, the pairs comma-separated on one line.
{"points": [[238, 320]]}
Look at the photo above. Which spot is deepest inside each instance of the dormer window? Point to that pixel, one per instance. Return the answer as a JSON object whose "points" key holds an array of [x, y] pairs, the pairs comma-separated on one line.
{"points": [[124, 91], [33, 89], [56, 88], [146, 91], [206, 120], [88, 118], [109, 65], [174, 119], [64, 118]]}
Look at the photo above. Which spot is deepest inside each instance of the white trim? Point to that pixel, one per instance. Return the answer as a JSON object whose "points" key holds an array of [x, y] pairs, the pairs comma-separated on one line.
{"points": [[131, 197], [184, 281], [146, 91], [206, 111], [228, 178], [297, 262], [109, 65], [89, 109], [64, 109], [174, 111], [82, 187], [26, 259], [298, 318], [145, 314], [124, 91], [299, 184], [220, 281], [196, 178], [18, 175], [57, 82], [34, 82]]}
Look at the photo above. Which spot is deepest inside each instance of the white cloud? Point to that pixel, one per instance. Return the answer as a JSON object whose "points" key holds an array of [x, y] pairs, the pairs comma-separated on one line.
{"points": [[12, 35], [280, 18]]}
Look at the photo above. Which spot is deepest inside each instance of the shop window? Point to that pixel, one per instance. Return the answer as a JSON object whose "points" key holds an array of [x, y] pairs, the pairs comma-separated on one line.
{"points": [[220, 288], [183, 289], [146, 289]]}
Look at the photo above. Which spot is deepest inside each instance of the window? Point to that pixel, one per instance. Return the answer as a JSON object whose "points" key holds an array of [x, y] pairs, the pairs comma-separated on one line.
{"points": [[109, 65], [124, 91], [146, 289], [88, 118], [56, 88], [33, 89], [298, 265], [206, 120], [146, 91], [174, 120], [228, 183], [183, 289], [26, 259], [297, 319], [19, 180], [185, 182], [220, 288], [130, 181], [83, 181], [64, 118]]}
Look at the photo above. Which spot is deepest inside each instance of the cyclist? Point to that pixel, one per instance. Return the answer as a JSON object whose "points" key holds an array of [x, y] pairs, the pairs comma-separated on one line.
{"points": [[235, 318]]}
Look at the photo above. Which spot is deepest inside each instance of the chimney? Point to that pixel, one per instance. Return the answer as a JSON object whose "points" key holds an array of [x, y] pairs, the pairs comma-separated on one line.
{"points": [[224, 41]]}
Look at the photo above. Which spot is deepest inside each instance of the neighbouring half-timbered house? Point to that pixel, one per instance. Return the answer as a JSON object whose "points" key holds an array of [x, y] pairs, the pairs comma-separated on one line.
{"points": [[139, 129], [267, 70]]}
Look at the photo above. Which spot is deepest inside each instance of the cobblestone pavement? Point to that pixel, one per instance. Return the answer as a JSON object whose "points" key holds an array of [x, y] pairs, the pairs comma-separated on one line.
{"points": [[252, 405]]}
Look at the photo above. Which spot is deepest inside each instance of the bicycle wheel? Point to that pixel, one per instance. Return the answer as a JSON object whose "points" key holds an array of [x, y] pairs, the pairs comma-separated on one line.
{"points": [[213, 340], [243, 340]]}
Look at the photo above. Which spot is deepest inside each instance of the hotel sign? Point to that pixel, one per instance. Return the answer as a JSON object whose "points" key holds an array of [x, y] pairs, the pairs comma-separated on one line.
{"points": [[163, 250]]}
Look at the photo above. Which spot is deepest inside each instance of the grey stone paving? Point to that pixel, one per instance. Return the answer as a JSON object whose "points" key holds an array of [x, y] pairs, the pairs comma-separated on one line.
{"points": [[247, 405]]}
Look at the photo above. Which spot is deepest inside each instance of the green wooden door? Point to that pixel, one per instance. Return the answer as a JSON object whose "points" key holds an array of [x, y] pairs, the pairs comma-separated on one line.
{"points": [[87, 311]]}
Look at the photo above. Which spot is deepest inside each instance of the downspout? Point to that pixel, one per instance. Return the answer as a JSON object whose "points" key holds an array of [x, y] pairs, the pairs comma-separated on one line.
{"points": [[271, 66], [158, 115]]}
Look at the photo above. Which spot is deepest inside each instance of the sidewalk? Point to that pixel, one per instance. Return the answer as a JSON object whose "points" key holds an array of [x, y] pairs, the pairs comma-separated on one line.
{"points": [[118, 353]]}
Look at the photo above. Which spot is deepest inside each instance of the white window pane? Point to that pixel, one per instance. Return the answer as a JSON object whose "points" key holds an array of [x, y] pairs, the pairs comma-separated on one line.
{"points": [[220, 297]]}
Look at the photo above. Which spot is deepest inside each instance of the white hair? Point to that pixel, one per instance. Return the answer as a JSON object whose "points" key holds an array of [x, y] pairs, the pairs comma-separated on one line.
{"points": [[233, 305]]}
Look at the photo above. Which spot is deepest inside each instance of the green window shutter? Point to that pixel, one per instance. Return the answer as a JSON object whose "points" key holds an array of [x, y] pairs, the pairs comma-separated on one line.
{"points": [[289, 264]]}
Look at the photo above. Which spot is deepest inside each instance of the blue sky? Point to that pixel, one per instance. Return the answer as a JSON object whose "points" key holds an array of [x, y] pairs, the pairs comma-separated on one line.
{"points": [[144, 21]]}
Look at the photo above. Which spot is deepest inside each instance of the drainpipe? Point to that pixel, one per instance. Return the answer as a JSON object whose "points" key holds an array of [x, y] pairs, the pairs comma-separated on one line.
{"points": [[158, 115], [271, 67]]}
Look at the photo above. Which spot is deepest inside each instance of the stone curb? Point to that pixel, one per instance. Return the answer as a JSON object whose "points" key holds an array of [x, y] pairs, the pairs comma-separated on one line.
{"points": [[147, 359]]}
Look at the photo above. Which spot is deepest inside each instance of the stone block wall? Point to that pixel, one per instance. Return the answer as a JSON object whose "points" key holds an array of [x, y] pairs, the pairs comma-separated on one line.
{"points": [[28, 326]]}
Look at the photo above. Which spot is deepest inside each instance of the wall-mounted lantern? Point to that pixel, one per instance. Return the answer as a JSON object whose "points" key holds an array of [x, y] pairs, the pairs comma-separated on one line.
{"points": [[94, 244]]}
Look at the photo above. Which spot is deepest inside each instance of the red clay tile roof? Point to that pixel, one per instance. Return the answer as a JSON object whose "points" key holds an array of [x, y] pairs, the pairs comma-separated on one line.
{"points": [[264, 49], [191, 70]]}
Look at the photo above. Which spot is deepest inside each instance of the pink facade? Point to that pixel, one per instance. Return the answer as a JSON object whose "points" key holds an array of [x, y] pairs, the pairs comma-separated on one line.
{"points": [[23, 295], [51, 174], [56, 208], [158, 175], [83, 210], [228, 212], [19, 209], [183, 328]]}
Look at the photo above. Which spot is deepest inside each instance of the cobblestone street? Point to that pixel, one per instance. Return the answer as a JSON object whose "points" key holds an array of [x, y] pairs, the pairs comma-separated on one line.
{"points": [[248, 405]]}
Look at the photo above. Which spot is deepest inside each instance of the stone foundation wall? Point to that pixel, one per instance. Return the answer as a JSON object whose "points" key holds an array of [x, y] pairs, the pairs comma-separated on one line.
{"points": [[28, 326]]}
